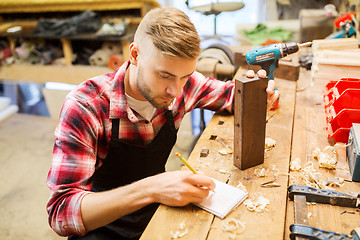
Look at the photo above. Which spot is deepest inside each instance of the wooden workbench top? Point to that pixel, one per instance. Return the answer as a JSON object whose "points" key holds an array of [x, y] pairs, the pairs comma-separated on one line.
{"points": [[203, 225], [296, 126]]}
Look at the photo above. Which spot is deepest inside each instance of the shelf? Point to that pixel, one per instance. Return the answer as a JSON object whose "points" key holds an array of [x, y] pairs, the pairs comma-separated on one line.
{"points": [[26, 6], [74, 74]]}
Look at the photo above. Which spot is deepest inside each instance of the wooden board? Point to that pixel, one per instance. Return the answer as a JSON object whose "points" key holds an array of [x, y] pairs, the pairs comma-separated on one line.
{"points": [[310, 132], [203, 225], [21, 6], [42, 74]]}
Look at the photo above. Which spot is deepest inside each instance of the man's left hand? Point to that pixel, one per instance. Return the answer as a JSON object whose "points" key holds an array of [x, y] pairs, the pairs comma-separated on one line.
{"points": [[272, 94]]}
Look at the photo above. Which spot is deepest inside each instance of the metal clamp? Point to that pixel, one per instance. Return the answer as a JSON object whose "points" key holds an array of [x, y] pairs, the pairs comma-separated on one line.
{"points": [[323, 196], [318, 234]]}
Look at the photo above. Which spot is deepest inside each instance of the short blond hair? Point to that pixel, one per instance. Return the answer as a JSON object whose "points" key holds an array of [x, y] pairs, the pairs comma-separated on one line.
{"points": [[171, 32]]}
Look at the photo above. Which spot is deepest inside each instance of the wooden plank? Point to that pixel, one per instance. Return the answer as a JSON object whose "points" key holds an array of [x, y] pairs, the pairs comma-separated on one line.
{"points": [[42, 73], [341, 43], [24, 6], [310, 132], [250, 121], [272, 222]]}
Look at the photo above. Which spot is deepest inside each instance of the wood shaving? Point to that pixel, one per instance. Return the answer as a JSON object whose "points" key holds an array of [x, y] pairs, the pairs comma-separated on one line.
{"points": [[309, 214], [260, 172], [270, 143], [182, 231], [258, 205], [310, 175], [226, 150], [334, 182], [275, 171], [223, 171], [327, 158], [295, 164], [316, 152], [233, 226], [241, 186]]}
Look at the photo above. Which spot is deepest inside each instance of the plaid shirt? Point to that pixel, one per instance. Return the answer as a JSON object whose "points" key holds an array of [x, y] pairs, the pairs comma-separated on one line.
{"points": [[83, 135]]}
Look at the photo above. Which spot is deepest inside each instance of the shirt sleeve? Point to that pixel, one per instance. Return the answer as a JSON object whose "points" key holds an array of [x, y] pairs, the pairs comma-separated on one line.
{"points": [[208, 93], [73, 163]]}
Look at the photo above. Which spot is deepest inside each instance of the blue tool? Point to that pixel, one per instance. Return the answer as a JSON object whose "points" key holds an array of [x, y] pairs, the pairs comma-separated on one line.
{"points": [[268, 56]]}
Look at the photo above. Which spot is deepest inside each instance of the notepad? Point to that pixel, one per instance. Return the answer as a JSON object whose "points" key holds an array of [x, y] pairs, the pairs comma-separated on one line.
{"points": [[225, 199]]}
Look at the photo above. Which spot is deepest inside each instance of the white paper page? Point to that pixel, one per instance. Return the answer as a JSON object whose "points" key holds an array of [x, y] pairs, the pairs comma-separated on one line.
{"points": [[225, 199]]}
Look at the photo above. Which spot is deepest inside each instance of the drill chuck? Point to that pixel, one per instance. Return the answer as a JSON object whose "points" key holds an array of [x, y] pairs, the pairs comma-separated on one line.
{"points": [[289, 48]]}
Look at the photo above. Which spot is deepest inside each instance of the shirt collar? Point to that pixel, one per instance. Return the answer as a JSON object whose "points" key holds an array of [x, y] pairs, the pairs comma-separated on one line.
{"points": [[118, 104]]}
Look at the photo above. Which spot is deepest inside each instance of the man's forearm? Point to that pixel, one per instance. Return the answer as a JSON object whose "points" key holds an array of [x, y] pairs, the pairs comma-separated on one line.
{"points": [[177, 188], [101, 208]]}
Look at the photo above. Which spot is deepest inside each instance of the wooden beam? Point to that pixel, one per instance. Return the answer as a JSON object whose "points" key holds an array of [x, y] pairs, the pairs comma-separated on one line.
{"points": [[249, 121], [74, 74]]}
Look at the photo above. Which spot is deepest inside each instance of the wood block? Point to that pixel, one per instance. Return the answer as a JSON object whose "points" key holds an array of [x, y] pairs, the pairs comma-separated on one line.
{"points": [[249, 121], [204, 152], [288, 70]]}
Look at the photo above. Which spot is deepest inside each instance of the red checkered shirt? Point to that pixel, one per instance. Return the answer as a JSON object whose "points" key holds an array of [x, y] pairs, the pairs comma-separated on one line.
{"points": [[83, 135]]}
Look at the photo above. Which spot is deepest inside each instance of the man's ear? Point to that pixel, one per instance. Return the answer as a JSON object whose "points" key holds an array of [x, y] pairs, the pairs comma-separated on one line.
{"points": [[134, 53]]}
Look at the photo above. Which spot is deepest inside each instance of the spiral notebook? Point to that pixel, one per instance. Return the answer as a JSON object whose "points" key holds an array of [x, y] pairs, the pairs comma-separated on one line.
{"points": [[224, 200]]}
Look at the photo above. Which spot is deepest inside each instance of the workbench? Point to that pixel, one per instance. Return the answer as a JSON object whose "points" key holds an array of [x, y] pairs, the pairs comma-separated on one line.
{"points": [[297, 126]]}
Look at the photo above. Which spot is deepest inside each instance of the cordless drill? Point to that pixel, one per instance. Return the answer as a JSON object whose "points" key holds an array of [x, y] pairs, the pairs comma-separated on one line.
{"points": [[268, 57]]}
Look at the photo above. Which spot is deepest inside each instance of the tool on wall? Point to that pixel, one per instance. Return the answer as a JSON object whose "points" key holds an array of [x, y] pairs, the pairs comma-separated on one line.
{"points": [[302, 194]]}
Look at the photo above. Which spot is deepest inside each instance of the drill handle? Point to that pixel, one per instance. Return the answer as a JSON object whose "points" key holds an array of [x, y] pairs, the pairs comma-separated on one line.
{"points": [[270, 67]]}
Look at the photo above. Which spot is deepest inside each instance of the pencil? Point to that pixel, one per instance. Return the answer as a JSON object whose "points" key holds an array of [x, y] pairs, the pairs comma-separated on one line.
{"points": [[186, 163], [189, 166]]}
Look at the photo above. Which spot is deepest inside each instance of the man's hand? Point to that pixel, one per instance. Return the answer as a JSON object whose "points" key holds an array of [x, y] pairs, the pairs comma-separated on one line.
{"points": [[179, 188], [272, 94]]}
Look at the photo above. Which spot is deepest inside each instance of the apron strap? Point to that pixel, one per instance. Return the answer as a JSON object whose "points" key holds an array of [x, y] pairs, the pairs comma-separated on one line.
{"points": [[115, 129]]}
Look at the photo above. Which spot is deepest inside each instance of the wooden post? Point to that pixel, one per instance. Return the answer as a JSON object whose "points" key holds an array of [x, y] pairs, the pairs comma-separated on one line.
{"points": [[250, 121], [67, 50]]}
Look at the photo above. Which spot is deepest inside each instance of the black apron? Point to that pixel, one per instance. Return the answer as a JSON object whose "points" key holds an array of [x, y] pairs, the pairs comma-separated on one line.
{"points": [[124, 164]]}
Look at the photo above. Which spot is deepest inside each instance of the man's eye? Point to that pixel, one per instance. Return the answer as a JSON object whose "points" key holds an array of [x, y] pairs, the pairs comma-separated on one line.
{"points": [[164, 76]]}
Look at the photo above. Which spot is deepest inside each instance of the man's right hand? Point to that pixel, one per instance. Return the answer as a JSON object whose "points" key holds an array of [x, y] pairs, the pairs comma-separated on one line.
{"points": [[179, 188]]}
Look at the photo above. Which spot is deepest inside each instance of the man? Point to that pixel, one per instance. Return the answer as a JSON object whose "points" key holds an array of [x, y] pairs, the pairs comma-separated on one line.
{"points": [[116, 131]]}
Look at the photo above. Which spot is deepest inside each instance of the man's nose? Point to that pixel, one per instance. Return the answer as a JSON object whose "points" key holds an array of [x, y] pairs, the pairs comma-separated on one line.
{"points": [[174, 89]]}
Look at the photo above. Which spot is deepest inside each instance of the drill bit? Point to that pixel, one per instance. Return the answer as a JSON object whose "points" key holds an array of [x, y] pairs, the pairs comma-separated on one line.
{"points": [[305, 44]]}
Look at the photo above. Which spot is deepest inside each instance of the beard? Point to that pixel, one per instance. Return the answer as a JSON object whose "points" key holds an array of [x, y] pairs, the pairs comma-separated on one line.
{"points": [[145, 90]]}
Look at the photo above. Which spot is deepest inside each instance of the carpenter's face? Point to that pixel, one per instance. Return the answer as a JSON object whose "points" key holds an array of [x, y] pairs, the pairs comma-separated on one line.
{"points": [[160, 78]]}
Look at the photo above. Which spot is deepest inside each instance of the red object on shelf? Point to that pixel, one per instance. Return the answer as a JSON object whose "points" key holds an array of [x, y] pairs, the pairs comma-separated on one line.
{"points": [[5, 53], [343, 18], [342, 107]]}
